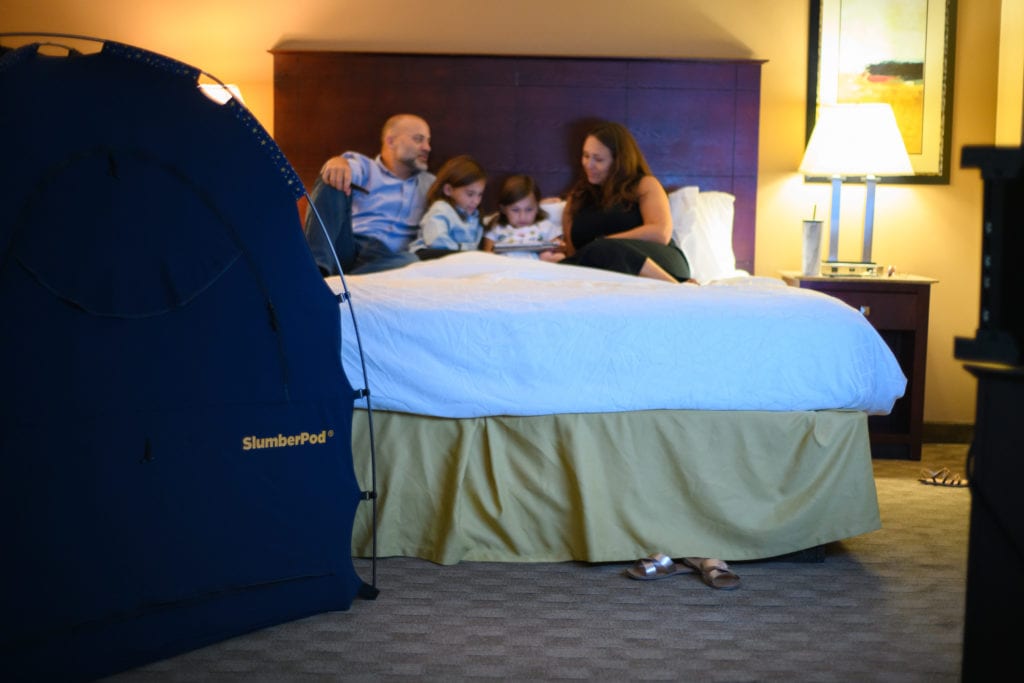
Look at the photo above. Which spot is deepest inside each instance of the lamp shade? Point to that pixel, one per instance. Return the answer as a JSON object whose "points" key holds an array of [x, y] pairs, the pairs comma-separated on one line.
{"points": [[221, 92], [856, 140]]}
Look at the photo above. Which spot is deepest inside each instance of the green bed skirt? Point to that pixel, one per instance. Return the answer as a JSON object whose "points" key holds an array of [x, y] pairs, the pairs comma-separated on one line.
{"points": [[614, 486]]}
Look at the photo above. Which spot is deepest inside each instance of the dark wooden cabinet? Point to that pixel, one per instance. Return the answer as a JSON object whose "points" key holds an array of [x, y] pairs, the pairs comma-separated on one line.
{"points": [[995, 554], [896, 306]]}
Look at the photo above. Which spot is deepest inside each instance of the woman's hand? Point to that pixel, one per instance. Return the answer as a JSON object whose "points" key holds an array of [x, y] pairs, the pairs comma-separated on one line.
{"points": [[551, 256], [554, 255]]}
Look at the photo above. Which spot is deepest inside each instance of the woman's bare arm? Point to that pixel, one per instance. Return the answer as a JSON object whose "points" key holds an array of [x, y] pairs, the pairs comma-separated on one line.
{"points": [[657, 216]]}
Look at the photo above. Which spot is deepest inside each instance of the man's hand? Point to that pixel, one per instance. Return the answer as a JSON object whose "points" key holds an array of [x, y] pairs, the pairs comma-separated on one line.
{"points": [[338, 174]]}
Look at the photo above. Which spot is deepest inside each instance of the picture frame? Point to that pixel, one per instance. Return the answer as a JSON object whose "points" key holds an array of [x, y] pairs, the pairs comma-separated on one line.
{"points": [[896, 52]]}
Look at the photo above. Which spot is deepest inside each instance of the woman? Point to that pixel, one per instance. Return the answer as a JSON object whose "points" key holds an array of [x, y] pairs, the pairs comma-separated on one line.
{"points": [[617, 215]]}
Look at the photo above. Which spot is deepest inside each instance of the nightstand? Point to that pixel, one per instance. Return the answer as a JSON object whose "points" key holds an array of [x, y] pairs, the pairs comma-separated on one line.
{"points": [[896, 306]]}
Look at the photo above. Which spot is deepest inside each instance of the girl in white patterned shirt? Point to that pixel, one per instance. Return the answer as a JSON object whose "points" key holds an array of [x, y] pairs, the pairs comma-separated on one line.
{"points": [[521, 227]]}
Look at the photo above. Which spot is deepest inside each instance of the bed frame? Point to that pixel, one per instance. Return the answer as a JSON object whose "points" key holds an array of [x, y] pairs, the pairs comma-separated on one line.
{"points": [[567, 487], [696, 120]]}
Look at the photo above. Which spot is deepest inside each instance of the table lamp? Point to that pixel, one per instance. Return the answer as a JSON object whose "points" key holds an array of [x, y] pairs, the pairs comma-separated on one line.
{"points": [[221, 92], [855, 140]]}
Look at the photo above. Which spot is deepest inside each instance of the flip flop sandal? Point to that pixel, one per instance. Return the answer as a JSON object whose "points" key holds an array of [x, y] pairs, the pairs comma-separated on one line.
{"points": [[657, 566], [715, 573], [943, 477]]}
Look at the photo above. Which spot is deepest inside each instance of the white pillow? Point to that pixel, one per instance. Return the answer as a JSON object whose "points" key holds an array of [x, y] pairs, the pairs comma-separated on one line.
{"points": [[683, 205], [554, 210], [702, 228]]}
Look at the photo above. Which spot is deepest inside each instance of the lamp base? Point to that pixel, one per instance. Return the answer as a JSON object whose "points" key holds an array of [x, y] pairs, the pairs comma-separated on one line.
{"points": [[849, 269]]}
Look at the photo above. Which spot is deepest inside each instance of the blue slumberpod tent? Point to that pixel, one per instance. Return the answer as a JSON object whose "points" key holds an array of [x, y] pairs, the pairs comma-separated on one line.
{"points": [[175, 426]]}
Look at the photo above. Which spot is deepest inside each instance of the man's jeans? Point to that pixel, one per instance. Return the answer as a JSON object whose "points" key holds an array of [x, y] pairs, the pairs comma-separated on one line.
{"points": [[356, 253]]}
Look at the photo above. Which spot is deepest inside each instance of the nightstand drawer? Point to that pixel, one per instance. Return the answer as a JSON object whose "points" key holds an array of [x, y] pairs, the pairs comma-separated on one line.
{"points": [[884, 310]]}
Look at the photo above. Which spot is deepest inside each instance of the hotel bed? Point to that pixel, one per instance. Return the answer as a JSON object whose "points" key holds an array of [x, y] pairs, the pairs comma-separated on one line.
{"points": [[526, 411]]}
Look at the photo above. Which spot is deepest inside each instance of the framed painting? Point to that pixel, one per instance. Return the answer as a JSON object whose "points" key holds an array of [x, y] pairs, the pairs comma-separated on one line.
{"points": [[900, 53]]}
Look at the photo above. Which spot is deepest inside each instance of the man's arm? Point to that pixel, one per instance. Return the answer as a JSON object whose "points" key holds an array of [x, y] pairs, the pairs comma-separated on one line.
{"points": [[337, 173]]}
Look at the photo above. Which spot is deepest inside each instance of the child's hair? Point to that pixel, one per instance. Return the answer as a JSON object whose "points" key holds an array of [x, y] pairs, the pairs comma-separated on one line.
{"points": [[458, 172], [515, 188]]}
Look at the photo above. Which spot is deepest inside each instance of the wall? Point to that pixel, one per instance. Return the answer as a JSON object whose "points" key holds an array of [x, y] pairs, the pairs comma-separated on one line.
{"points": [[931, 230], [1010, 101]]}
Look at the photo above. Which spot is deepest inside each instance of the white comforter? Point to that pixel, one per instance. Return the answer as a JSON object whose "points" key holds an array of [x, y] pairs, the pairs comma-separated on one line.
{"points": [[479, 334]]}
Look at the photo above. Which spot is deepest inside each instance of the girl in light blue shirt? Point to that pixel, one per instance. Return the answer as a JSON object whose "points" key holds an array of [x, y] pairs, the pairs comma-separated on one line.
{"points": [[452, 221]]}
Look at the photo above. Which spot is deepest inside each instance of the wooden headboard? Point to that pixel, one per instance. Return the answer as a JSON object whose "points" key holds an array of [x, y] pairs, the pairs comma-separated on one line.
{"points": [[696, 120]]}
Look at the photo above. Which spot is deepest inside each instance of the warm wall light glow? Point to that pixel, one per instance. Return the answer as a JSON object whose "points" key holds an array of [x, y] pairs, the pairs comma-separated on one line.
{"points": [[855, 140], [221, 93]]}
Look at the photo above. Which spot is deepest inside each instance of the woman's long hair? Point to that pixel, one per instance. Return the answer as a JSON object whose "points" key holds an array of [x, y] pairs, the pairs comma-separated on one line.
{"points": [[627, 168]]}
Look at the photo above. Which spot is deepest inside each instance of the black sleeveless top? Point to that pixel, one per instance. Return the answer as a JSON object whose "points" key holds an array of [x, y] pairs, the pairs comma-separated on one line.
{"points": [[592, 221]]}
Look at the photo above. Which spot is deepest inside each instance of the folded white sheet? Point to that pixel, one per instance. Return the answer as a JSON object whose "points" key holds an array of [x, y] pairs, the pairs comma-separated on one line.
{"points": [[479, 334]]}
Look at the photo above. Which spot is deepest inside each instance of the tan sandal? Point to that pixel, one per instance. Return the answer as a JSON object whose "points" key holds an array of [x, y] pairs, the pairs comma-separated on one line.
{"points": [[715, 573], [942, 477]]}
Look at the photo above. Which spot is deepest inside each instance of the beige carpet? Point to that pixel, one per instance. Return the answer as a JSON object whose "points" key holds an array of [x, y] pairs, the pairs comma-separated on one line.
{"points": [[885, 606]]}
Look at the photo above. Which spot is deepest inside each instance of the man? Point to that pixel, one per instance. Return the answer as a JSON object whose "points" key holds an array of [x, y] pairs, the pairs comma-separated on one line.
{"points": [[371, 208]]}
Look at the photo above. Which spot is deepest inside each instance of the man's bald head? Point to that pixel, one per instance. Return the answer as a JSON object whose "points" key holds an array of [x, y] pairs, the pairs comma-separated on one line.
{"points": [[405, 144]]}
